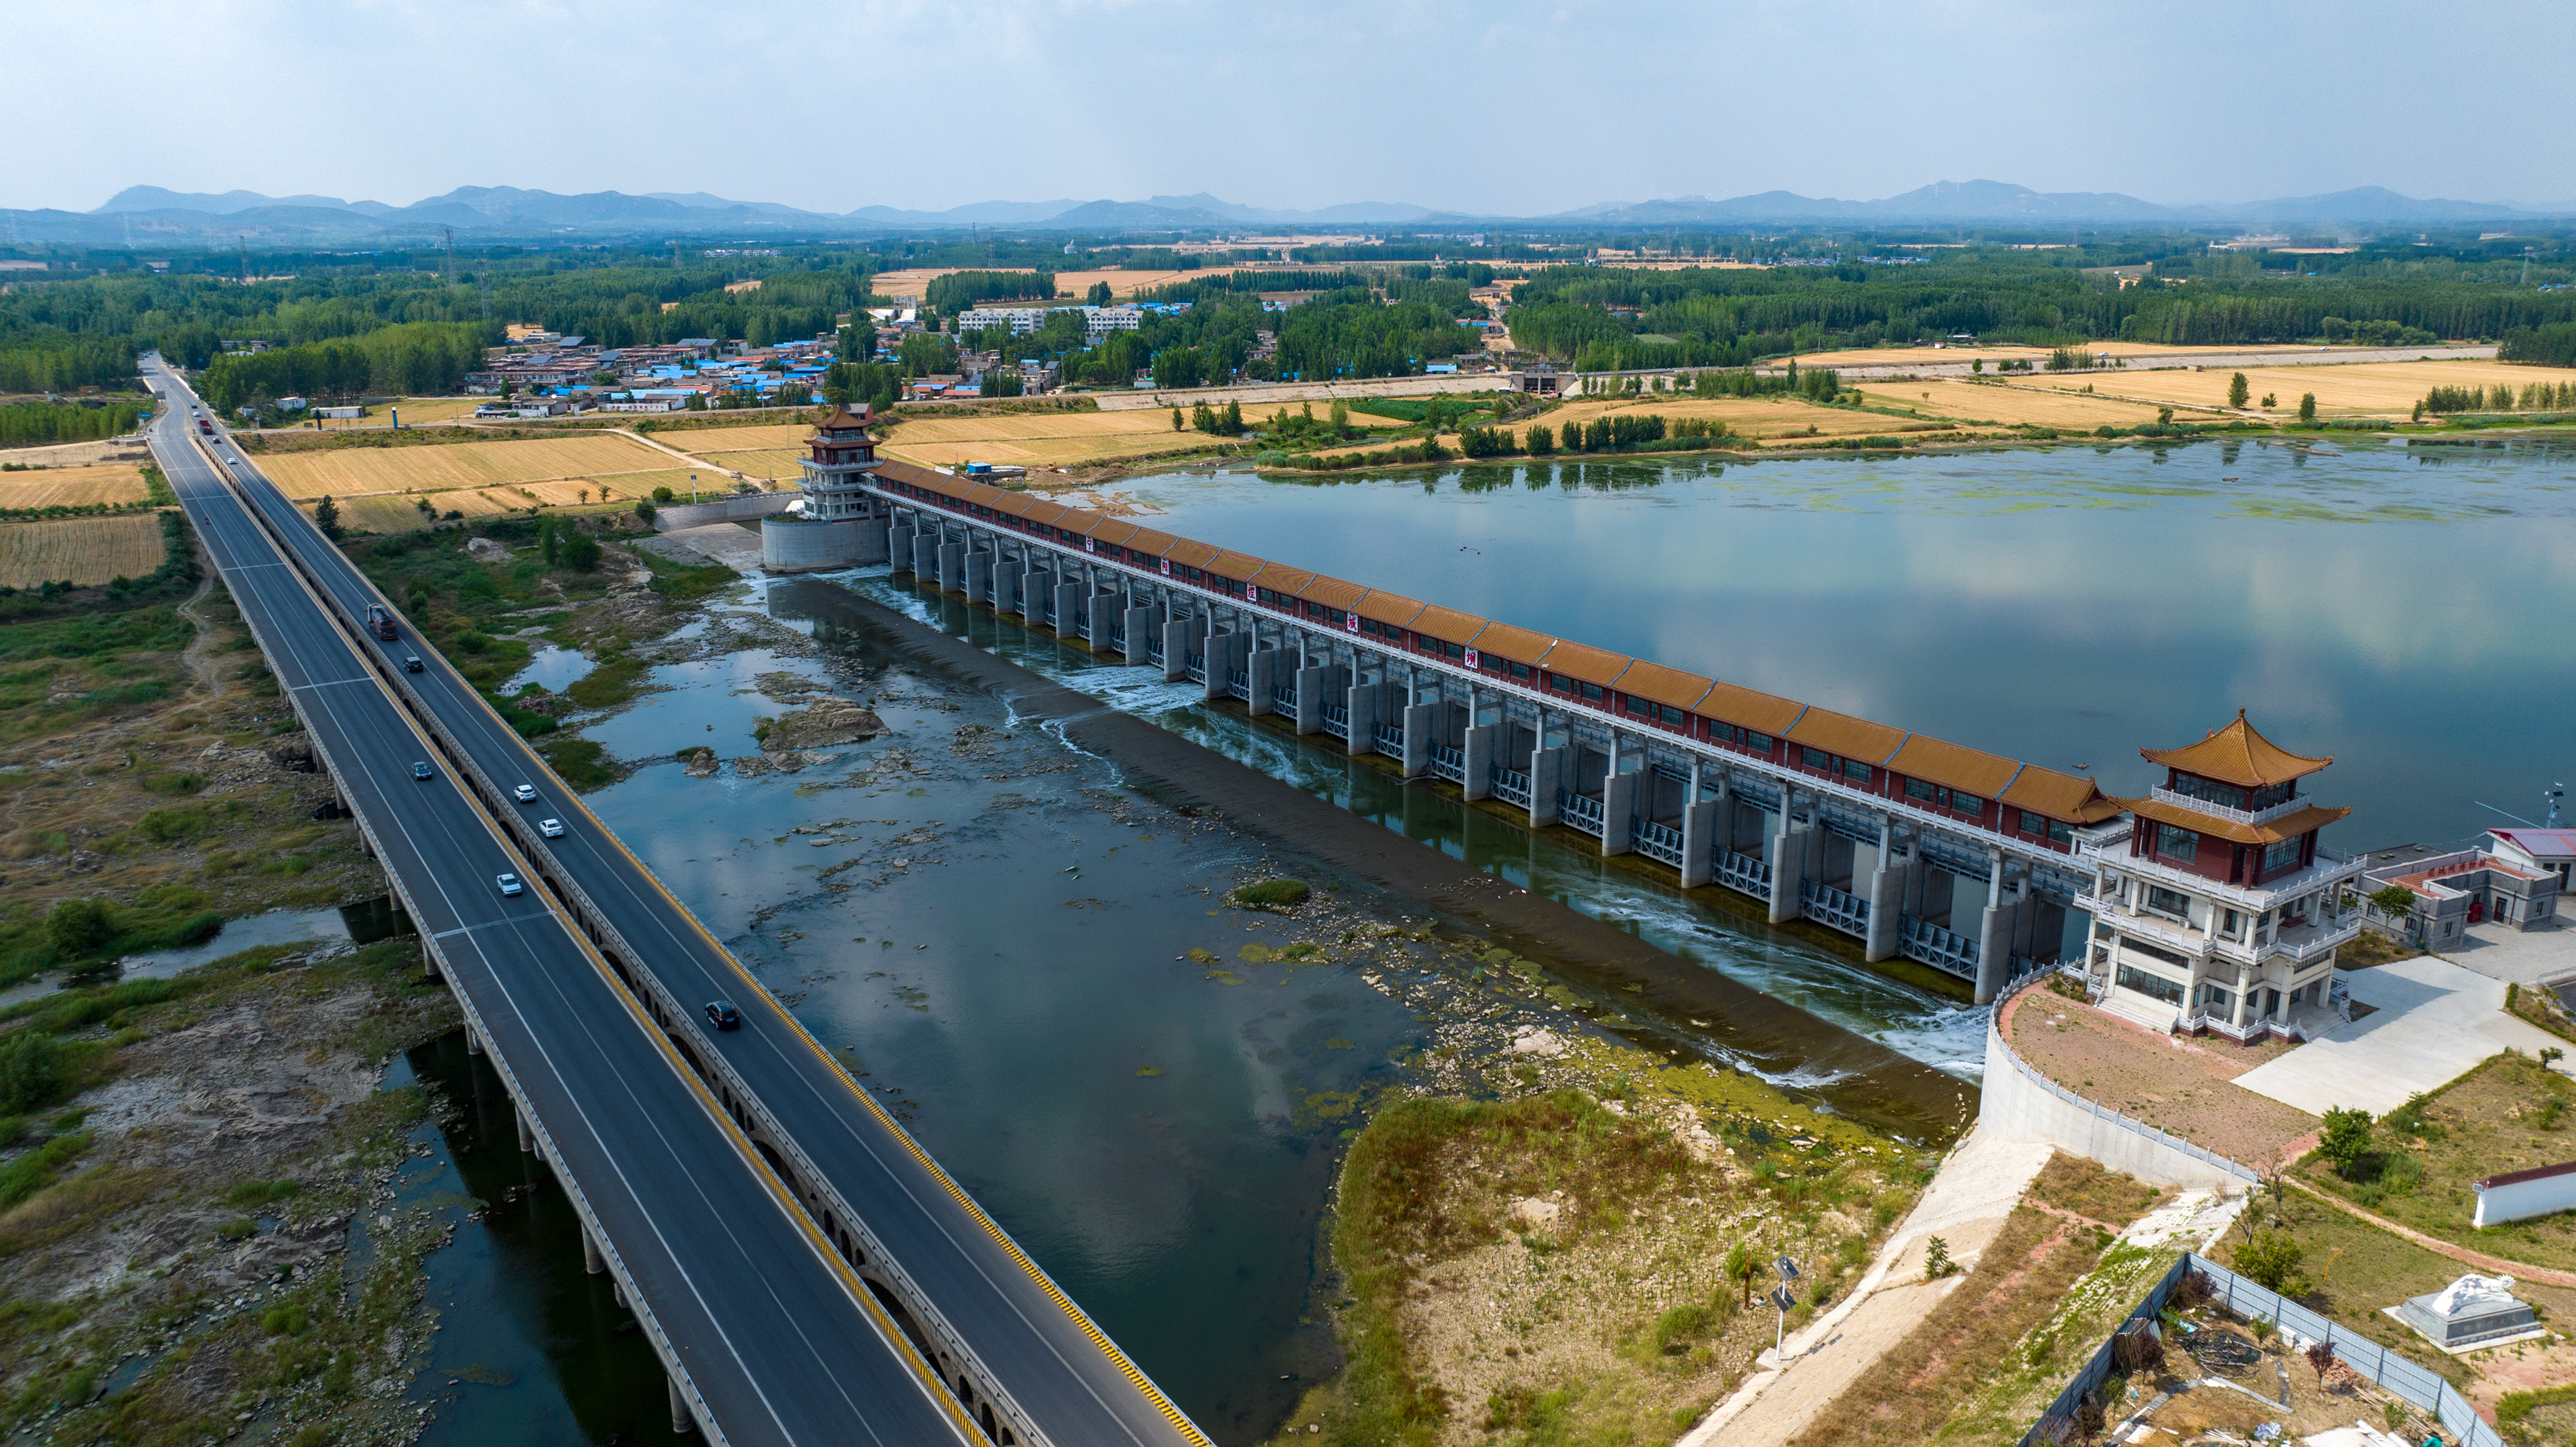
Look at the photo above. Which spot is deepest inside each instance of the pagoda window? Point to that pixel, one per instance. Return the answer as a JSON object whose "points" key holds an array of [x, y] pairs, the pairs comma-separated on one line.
{"points": [[2154, 987], [2282, 855], [2169, 902], [2272, 794], [2177, 843], [2192, 786]]}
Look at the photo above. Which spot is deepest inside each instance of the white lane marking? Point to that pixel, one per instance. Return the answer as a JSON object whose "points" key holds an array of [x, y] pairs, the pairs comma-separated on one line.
{"points": [[467, 929], [328, 683], [403, 827]]}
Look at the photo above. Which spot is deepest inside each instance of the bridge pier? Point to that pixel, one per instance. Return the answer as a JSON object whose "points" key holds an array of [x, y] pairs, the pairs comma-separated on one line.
{"points": [[1699, 828], [682, 1421], [979, 576], [1264, 668], [1140, 633], [1994, 935], [899, 546], [1314, 685], [527, 1132], [1887, 890], [1179, 636], [1360, 700], [925, 558], [1036, 587], [473, 1042], [593, 1260], [1420, 719], [1788, 865], [1547, 776], [1069, 610], [952, 567], [1478, 750], [1618, 805]]}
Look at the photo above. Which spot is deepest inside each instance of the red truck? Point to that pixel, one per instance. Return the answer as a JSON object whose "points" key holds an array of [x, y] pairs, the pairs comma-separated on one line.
{"points": [[206, 427], [381, 619]]}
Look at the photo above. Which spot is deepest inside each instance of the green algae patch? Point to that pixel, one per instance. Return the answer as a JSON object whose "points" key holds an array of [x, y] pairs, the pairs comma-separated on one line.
{"points": [[1272, 894], [1149, 1071]]}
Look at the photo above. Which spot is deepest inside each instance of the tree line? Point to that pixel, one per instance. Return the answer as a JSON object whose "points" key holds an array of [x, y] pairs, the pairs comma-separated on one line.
{"points": [[410, 359], [948, 295], [28, 424]]}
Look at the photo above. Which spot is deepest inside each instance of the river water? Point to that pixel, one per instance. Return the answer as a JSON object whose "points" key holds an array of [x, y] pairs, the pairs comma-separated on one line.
{"points": [[995, 926]]}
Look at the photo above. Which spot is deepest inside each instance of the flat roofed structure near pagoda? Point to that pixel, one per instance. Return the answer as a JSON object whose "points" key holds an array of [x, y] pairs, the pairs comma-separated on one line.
{"points": [[2214, 908]]}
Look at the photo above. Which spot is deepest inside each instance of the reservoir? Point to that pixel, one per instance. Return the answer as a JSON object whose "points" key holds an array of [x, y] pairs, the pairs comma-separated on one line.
{"points": [[997, 927]]}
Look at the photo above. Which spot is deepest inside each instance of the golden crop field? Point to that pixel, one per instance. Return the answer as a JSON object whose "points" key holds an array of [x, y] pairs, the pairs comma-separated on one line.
{"points": [[735, 439], [79, 550], [72, 486], [1758, 419], [2361, 389], [420, 411], [355, 471], [913, 284], [2011, 406], [778, 463], [383, 513], [1039, 439]]}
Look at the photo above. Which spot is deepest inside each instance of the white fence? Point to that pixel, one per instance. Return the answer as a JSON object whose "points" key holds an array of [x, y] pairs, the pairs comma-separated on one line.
{"points": [[2411, 1381]]}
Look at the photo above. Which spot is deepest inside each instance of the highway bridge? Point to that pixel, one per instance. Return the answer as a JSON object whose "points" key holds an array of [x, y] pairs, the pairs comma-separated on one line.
{"points": [[806, 1270]]}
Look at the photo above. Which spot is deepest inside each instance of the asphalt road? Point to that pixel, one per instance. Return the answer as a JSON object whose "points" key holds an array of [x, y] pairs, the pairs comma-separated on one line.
{"points": [[1059, 1368], [781, 1343]]}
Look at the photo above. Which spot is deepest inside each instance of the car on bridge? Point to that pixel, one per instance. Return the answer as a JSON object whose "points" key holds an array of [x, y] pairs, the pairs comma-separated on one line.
{"points": [[510, 884], [551, 828], [412, 663], [420, 769], [722, 1015], [525, 793]]}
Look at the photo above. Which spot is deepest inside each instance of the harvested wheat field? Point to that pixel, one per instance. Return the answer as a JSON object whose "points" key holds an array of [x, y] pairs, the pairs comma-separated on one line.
{"points": [[354, 471], [383, 513], [1936, 356], [1037, 439], [2010, 406], [777, 463], [2360, 389], [1760, 419], [735, 439], [79, 550], [911, 285], [72, 486]]}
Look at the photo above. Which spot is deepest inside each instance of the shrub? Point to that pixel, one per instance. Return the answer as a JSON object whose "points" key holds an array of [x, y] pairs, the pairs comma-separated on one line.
{"points": [[2345, 1141], [2272, 1260], [79, 927], [31, 1071]]}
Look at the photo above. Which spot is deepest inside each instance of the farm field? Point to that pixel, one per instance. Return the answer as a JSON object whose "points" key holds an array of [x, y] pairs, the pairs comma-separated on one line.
{"points": [[79, 550], [2012, 406], [354, 471], [72, 486], [2362, 389], [417, 411], [913, 284], [1925, 356], [776, 463], [735, 439], [1760, 419], [1041, 439]]}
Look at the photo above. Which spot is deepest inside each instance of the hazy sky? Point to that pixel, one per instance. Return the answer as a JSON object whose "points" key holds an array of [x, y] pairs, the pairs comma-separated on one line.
{"points": [[1497, 107]]}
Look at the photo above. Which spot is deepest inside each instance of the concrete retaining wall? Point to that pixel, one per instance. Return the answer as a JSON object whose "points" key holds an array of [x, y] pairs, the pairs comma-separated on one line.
{"points": [[739, 507], [2021, 1104], [2522, 1200]]}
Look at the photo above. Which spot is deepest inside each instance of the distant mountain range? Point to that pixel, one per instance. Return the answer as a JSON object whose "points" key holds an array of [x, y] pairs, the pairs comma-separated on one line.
{"points": [[151, 216]]}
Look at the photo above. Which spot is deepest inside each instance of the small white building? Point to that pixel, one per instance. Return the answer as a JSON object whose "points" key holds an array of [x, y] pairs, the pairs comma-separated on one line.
{"points": [[1099, 319]]}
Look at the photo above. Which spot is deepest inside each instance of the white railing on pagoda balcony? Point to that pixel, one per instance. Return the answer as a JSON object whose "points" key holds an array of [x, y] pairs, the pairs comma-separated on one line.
{"points": [[2300, 942], [2291, 805]]}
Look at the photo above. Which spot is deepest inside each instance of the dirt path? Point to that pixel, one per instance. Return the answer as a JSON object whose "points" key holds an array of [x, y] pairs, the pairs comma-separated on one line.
{"points": [[1978, 1186], [2521, 1270], [691, 458], [201, 666]]}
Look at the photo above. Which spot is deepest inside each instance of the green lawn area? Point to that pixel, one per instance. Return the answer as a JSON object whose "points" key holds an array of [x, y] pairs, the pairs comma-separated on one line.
{"points": [[2509, 1114]]}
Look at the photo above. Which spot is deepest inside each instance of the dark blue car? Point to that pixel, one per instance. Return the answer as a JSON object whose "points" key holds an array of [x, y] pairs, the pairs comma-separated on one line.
{"points": [[722, 1015]]}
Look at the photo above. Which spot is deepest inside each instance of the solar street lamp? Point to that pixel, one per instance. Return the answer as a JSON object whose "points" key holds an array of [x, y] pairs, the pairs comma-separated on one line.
{"points": [[1784, 1299]]}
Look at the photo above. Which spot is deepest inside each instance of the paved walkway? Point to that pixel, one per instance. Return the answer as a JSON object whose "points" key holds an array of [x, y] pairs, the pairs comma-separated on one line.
{"points": [[2433, 1022], [1966, 1204]]}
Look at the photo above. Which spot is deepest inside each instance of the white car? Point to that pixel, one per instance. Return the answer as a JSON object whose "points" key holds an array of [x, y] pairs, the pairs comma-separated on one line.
{"points": [[510, 884], [525, 793], [551, 828]]}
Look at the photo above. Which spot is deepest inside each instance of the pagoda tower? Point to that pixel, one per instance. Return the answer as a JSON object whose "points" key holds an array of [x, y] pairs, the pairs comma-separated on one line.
{"points": [[837, 523], [2218, 912]]}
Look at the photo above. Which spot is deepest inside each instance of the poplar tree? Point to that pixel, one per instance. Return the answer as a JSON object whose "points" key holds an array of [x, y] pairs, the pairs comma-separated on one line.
{"points": [[2238, 390]]}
